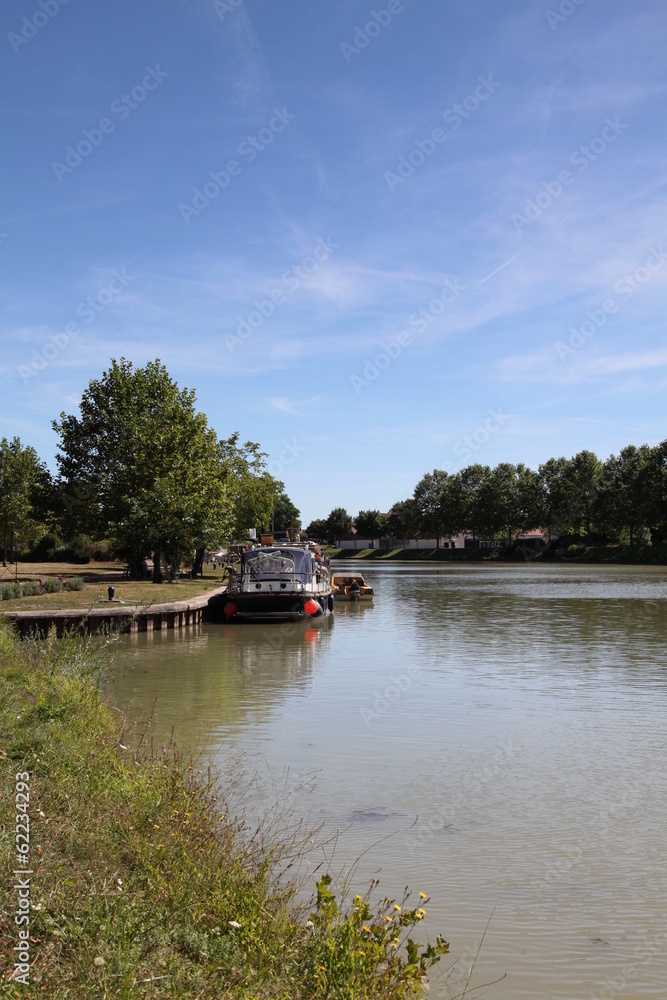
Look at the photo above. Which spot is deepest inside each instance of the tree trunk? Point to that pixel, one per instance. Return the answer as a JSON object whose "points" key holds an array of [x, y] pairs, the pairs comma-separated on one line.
{"points": [[198, 565], [157, 570]]}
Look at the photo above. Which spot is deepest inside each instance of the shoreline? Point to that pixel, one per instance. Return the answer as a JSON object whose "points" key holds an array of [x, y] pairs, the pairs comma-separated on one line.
{"points": [[132, 618], [139, 878], [644, 555]]}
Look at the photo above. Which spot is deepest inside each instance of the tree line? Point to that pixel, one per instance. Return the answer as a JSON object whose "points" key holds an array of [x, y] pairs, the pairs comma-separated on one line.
{"points": [[622, 499], [141, 469]]}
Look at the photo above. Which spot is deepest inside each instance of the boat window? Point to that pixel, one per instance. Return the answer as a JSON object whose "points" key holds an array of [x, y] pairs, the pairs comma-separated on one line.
{"points": [[269, 564]]}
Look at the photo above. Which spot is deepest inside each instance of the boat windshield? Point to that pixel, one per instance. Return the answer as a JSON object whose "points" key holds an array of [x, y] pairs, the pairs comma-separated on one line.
{"points": [[276, 564]]}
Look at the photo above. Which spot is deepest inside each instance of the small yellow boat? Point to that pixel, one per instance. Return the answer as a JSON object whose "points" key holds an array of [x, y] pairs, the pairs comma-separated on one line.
{"points": [[348, 586]]}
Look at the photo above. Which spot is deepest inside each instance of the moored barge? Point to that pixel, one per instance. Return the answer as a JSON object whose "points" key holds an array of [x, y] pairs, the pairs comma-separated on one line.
{"points": [[279, 583]]}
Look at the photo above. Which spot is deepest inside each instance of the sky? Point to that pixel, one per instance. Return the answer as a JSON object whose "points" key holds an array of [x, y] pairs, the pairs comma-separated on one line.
{"points": [[376, 239]]}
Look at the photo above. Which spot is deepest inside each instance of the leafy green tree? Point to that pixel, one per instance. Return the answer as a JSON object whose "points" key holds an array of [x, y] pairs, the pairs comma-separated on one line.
{"points": [[584, 473], [285, 514], [251, 491], [624, 502], [23, 481], [478, 500], [142, 466], [370, 524], [654, 479], [338, 524], [517, 499], [404, 519], [317, 529], [432, 502], [559, 512]]}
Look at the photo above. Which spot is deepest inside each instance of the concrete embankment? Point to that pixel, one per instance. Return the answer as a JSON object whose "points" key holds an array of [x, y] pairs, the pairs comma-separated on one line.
{"points": [[129, 618]]}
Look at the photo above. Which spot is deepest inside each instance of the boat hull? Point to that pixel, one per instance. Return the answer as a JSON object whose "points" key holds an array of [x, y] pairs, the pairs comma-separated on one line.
{"points": [[357, 599], [273, 606]]}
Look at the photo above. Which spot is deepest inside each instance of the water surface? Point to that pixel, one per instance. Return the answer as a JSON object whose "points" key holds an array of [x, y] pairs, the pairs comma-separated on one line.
{"points": [[492, 736]]}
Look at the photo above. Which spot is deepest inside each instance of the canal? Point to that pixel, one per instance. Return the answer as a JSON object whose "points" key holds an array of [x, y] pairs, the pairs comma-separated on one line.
{"points": [[493, 736]]}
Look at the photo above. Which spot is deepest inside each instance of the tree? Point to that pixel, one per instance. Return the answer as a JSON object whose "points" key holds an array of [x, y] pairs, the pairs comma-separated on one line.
{"points": [[517, 501], [23, 480], [370, 524], [142, 466], [317, 529], [477, 500], [338, 524], [433, 498], [285, 514], [584, 477], [252, 492], [623, 496], [559, 513], [404, 519], [654, 478]]}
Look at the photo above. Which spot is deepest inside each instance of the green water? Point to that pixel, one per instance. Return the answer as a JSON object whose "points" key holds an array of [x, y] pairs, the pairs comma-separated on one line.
{"points": [[492, 736]]}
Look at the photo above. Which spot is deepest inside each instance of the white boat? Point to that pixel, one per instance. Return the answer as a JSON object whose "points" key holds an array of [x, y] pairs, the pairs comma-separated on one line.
{"points": [[279, 583]]}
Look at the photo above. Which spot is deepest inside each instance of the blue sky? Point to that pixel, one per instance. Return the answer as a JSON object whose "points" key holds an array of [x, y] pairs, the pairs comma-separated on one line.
{"points": [[377, 239]]}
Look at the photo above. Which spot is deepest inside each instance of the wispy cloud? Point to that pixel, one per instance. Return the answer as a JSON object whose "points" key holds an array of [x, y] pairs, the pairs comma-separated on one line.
{"points": [[293, 407]]}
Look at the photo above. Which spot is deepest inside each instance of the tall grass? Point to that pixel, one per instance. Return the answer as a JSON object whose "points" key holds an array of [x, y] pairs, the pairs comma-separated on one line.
{"points": [[144, 885]]}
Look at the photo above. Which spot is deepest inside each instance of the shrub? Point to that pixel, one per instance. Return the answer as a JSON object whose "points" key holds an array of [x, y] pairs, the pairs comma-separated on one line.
{"points": [[45, 550], [104, 550], [74, 583], [31, 588], [68, 554], [5, 592], [54, 586]]}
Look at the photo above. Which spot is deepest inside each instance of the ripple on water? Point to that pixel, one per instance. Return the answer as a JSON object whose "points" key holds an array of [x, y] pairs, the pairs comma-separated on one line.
{"points": [[493, 736]]}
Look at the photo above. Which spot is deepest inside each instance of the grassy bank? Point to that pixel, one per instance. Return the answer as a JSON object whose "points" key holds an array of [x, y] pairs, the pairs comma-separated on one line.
{"points": [[415, 555], [143, 885], [649, 555], [93, 592]]}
